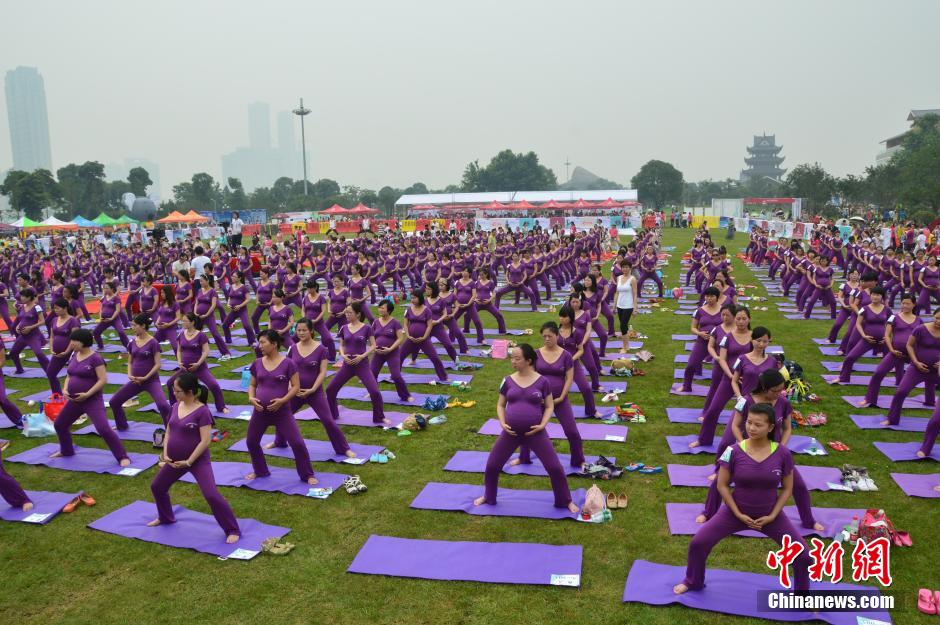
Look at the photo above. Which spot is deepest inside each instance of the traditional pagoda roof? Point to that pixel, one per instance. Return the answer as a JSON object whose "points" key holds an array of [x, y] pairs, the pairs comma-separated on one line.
{"points": [[917, 113]]}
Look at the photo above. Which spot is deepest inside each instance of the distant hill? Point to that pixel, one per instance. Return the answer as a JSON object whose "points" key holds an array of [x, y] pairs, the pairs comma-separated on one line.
{"points": [[585, 180]]}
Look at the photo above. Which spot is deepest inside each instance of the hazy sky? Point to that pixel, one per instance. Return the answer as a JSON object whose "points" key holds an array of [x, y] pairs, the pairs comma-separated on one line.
{"points": [[407, 91]]}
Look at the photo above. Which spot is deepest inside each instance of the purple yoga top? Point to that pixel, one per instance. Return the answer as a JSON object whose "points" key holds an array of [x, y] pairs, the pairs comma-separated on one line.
{"points": [[874, 323], [556, 371], [278, 319], [747, 381], [143, 356], [313, 307], [755, 483], [355, 343], [237, 296], [147, 299], [82, 375], [204, 301], [418, 323], [338, 301], [385, 335], [735, 349], [264, 293], [61, 333], [184, 433], [191, 348], [307, 366], [927, 346], [166, 314], [706, 320], [901, 331], [271, 385], [524, 406]]}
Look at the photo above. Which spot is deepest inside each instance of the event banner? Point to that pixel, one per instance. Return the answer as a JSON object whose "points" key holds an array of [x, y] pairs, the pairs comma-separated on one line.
{"points": [[546, 223], [788, 229]]}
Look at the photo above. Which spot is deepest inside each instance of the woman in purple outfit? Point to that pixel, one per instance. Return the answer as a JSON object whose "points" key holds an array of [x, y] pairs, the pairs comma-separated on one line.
{"points": [[149, 297], [571, 339], [133, 294], [143, 373], [516, 281], [929, 281], [186, 450], [312, 364], [582, 321], [592, 304], [525, 405], [281, 317], [263, 298], [184, 293], [358, 288], [418, 327], [483, 293], [8, 407], [339, 300], [704, 319], [923, 348], [275, 382], [870, 326], [648, 270], [845, 308], [756, 467], [820, 280], [716, 338], [438, 307], [356, 345], [450, 311], [557, 366], [206, 303], [28, 322], [191, 356], [86, 377], [898, 330], [238, 302], [167, 319], [389, 336], [293, 285], [11, 491], [313, 309], [60, 333]]}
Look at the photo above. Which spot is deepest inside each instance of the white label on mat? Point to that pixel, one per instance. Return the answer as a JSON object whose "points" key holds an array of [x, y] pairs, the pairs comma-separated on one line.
{"points": [[864, 620], [356, 460], [615, 438], [319, 493], [129, 471], [37, 517], [565, 580], [243, 554]]}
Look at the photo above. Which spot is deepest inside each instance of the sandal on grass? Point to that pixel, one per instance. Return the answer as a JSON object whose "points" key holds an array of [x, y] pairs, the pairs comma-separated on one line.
{"points": [[651, 470], [634, 466]]}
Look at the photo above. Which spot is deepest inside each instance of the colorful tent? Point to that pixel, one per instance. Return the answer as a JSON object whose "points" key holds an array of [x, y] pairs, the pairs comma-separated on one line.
{"points": [[124, 220], [57, 224], [362, 209], [82, 222], [336, 209], [493, 206], [25, 222], [194, 217], [175, 217], [104, 220]]}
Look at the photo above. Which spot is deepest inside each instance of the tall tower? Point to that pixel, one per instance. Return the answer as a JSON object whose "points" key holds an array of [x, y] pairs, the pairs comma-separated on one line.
{"points": [[763, 159], [29, 120], [259, 126]]}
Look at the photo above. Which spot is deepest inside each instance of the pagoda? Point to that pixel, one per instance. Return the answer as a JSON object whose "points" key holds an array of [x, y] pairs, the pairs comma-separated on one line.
{"points": [[763, 159]]}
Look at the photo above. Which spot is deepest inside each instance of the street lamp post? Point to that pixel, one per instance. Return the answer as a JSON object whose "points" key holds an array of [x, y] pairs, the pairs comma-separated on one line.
{"points": [[303, 112]]}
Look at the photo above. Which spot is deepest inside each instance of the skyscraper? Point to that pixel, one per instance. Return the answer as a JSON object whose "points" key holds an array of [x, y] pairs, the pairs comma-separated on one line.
{"points": [[287, 145], [259, 126], [29, 121]]}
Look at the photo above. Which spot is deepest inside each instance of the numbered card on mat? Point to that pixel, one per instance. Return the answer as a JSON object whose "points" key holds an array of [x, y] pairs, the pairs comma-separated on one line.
{"points": [[37, 517], [615, 438], [243, 554], [565, 580], [129, 471], [355, 460]]}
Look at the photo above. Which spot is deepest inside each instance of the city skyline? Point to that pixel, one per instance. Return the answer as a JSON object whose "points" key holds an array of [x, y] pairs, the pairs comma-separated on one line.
{"points": [[28, 119]]}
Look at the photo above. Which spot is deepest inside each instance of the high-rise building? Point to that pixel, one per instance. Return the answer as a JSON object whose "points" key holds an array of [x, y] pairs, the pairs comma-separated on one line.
{"points": [[763, 160], [29, 119], [259, 126], [287, 146]]}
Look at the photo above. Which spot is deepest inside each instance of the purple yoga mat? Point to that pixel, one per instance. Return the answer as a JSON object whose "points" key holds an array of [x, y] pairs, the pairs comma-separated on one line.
{"points": [[681, 358], [860, 380], [697, 390], [603, 412], [824, 341], [45, 396], [46, 505], [652, 583], [683, 337], [526, 309], [588, 431], [681, 518], [85, 459], [359, 393], [918, 484], [814, 316], [500, 563], [873, 422], [901, 452], [536, 504], [29, 373], [136, 431], [281, 480], [235, 410], [358, 418], [834, 351], [706, 374], [475, 462], [424, 363], [816, 478], [508, 332], [691, 415], [860, 367], [320, 451], [429, 378], [472, 352], [192, 530], [680, 445], [884, 401]]}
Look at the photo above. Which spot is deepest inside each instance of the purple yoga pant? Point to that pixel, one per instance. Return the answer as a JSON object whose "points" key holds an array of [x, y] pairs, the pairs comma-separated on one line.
{"points": [[318, 402], [202, 472], [913, 377], [94, 408], [10, 489], [118, 326], [566, 418], [240, 315], [541, 445], [132, 389], [34, 341], [286, 426], [364, 373], [393, 360], [205, 376], [409, 347]]}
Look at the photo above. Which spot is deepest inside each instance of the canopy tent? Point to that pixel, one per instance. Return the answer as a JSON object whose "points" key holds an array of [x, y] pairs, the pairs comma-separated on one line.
{"points": [[57, 224], [82, 222], [175, 217], [582, 204], [493, 206], [104, 220], [125, 220], [362, 209], [194, 217], [336, 209], [521, 206], [25, 222]]}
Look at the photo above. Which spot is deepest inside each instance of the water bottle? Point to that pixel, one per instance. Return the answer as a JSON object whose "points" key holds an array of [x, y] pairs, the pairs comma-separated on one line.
{"points": [[246, 378], [853, 527]]}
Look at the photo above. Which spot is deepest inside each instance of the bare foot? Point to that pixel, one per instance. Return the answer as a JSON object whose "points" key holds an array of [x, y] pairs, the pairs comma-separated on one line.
{"points": [[862, 404], [57, 454], [350, 453], [312, 481], [226, 410], [515, 462], [711, 478], [680, 589], [27, 506], [839, 352], [387, 422], [885, 423], [250, 476], [410, 398], [819, 527], [921, 454], [937, 488], [270, 445], [153, 523], [700, 519], [693, 444], [479, 501], [124, 462], [232, 538], [573, 508], [701, 419]]}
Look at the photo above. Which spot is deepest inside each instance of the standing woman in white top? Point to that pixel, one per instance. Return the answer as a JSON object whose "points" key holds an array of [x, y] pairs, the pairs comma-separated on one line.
{"points": [[626, 298]]}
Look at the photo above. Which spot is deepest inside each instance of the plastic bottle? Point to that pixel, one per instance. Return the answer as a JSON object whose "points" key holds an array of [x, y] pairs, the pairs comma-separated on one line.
{"points": [[854, 525]]}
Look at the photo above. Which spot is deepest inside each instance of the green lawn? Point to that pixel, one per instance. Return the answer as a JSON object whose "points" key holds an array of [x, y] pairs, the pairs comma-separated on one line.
{"points": [[65, 572]]}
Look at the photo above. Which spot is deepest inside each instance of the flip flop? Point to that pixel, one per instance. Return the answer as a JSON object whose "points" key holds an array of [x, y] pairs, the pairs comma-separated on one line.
{"points": [[634, 466], [926, 602], [651, 470]]}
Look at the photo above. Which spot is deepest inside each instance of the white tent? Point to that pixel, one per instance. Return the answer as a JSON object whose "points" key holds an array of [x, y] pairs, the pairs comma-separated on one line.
{"points": [[19, 223], [52, 222]]}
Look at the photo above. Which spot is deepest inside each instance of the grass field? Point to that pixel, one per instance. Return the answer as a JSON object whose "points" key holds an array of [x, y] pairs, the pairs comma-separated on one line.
{"points": [[66, 573]]}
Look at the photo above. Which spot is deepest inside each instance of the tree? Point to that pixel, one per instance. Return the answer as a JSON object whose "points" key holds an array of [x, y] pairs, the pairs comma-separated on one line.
{"points": [[881, 184], [919, 164], [235, 198], [282, 190], [658, 183], [30, 192], [84, 188], [418, 188], [387, 198], [508, 171], [205, 190], [139, 180], [812, 183]]}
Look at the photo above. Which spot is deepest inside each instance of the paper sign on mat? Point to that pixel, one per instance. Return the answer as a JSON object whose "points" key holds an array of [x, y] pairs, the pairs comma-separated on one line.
{"points": [[565, 580]]}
